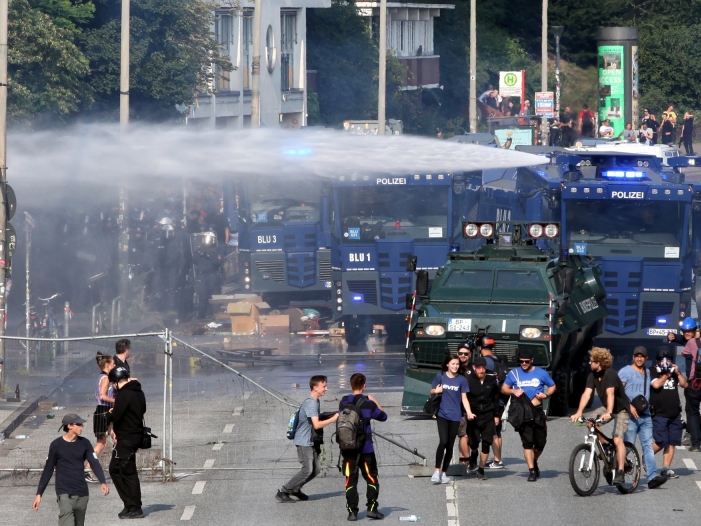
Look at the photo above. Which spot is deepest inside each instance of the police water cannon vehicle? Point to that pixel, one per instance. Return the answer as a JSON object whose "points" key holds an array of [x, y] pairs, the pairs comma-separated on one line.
{"points": [[522, 295]]}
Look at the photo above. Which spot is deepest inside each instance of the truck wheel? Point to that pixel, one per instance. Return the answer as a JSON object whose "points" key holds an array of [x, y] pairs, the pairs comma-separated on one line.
{"points": [[356, 332]]}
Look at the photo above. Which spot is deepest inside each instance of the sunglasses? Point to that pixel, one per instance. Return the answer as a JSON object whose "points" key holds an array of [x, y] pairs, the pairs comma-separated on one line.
{"points": [[81, 425], [524, 361], [593, 361], [463, 354]]}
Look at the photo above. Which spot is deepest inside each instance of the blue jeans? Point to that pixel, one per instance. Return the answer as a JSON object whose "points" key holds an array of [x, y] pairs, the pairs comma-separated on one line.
{"points": [[642, 427]]}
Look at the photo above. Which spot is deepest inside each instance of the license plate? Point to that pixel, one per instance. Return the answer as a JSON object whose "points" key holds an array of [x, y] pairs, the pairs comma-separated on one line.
{"points": [[459, 324], [660, 332]]}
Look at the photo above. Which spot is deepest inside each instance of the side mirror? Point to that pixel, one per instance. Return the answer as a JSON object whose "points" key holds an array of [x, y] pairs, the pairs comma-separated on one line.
{"points": [[422, 282], [409, 300], [561, 308], [411, 263]]}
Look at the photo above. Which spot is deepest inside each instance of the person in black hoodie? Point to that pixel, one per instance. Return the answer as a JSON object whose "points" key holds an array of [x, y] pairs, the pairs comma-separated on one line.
{"points": [[484, 401], [127, 418]]}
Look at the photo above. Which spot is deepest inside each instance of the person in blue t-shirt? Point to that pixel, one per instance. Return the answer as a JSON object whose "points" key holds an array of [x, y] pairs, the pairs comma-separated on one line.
{"points": [[536, 385], [453, 389]]}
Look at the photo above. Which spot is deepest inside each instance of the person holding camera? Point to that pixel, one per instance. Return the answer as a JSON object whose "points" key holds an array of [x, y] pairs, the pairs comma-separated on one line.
{"points": [[667, 426], [636, 381]]}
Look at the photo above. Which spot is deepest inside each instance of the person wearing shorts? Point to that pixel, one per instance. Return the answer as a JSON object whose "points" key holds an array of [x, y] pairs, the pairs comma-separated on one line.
{"points": [[484, 401], [104, 396], [667, 427], [616, 404]]}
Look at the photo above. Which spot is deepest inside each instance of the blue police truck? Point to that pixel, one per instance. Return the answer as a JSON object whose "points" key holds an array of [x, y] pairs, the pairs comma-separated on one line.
{"points": [[283, 236], [378, 221]]}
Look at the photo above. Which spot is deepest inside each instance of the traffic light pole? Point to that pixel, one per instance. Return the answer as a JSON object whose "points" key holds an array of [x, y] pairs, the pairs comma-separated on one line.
{"points": [[123, 219], [4, 257]]}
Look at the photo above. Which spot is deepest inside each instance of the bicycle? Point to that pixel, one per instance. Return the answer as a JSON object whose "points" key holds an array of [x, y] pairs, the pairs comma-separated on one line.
{"points": [[597, 447]]}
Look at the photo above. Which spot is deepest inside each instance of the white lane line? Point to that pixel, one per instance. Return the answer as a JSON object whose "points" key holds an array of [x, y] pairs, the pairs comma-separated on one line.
{"points": [[680, 447], [229, 428], [217, 447], [246, 396], [188, 512], [199, 487], [451, 496], [698, 483], [453, 522], [238, 411], [690, 464], [452, 509], [209, 463], [449, 493]]}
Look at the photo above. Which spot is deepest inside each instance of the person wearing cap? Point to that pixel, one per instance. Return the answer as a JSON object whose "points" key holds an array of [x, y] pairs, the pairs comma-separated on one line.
{"points": [[636, 381], [688, 330], [667, 426], [68, 454], [496, 368], [484, 401], [465, 357], [127, 418], [530, 385], [692, 394]]}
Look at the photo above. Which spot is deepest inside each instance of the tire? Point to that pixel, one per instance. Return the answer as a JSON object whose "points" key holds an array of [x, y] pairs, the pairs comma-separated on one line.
{"points": [[633, 469], [583, 452]]}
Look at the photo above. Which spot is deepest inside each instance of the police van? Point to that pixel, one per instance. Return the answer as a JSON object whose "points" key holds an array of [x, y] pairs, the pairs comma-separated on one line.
{"points": [[662, 151]]}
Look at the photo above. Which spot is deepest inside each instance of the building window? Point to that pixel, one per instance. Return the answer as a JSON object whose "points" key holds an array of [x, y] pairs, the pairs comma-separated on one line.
{"points": [[224, 32], [247, 46], [288, 41]]}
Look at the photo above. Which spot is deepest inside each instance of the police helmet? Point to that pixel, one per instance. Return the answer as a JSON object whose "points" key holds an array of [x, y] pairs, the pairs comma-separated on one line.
{"points": [[117, 374], [165, 221], [486, 340], [169, 231], [689, 324]]}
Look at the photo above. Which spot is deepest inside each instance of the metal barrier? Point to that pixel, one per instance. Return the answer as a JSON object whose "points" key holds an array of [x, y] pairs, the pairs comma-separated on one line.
{"points": [[116, 321], [96, 326]]}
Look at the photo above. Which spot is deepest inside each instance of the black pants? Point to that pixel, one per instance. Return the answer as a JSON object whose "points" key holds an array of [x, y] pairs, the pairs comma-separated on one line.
{"points": [[207, 285], [688, 145], [447, 431], [367, 463], [481, 429], [124, 475], [693, 418]]}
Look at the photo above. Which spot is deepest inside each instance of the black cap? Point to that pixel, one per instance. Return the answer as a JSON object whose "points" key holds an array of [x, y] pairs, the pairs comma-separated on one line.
{"points": [[664, 352], [117, 374], [71, 418], [479, 360], [525, 353], [640, 350]]}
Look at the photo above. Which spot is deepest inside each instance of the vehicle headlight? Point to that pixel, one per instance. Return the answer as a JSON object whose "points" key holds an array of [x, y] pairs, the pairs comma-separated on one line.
{"points": [[434, 330], [531, 333]]}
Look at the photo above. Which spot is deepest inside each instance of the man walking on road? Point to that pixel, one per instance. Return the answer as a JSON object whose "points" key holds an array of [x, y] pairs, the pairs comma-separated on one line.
{"points": [[123, 351], [68, 455], [307, 454], [362, 458], [484, 402], [497, 369], [636, 380]]}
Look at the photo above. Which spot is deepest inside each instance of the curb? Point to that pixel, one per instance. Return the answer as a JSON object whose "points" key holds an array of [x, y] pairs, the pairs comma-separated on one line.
{"points": [[20, 414]]}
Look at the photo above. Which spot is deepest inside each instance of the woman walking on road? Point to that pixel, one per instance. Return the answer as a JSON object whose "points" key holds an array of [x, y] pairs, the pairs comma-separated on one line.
{"points": [[688, 133], [104, 395], [453, 389]]}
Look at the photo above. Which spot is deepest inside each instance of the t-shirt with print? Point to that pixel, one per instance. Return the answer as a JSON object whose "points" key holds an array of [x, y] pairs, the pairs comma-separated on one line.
{"points": [[303, 435], [451, 401], [690, 351], [605, 379], [531, 382], [636, 383], [666, 399]]}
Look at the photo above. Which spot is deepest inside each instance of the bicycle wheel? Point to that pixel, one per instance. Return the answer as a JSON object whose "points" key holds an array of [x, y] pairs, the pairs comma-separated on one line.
{"points": [[632, 470], [584, 479]]}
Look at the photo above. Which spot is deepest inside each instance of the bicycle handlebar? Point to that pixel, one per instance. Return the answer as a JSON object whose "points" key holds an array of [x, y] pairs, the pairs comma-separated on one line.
{"points": [[46, 300], [596, 420]]}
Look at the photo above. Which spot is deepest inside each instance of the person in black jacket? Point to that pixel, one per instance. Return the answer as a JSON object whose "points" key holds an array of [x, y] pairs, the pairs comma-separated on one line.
{"points": [[484, 401], [127, 418]]}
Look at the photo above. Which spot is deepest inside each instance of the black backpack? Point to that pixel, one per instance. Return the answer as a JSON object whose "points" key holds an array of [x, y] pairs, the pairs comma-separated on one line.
{"points": [[586, 119], [350, 426]]}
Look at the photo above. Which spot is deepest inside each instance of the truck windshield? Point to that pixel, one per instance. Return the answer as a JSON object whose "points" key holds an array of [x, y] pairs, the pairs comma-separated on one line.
{"points": [[371, 212], [272, 201], [625, 223]]}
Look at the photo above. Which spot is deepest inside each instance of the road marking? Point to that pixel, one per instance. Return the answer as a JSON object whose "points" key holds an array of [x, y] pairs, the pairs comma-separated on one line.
{"points": [[187, 513], [199, 487], [247, 396], [681, 447], [698, 483], [449, 493], [238, 411], [452, 509], [229, 428], [217, 447], [453, 522], [690, 464], [209, 463], [451, 496]]}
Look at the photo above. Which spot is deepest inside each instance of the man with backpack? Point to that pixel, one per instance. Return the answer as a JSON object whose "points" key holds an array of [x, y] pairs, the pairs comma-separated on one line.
{"points": [[586, 122], [693, 393], [354, 437], [499, 370], [306, 420]]}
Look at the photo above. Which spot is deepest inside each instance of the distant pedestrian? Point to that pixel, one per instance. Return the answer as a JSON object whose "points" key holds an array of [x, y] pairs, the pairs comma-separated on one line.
{"points": [[586, 122], [526, 112], [68, 454], [123, 352], [671, 114], [307, 452], [362, 458], [499, 370], [688, 133], [529, 386], [484, 402], [104, 396], [606, 130], [453, 389], [666, 130], [636, 380], [667, 427], [645, 134], [629, 133], [688, 330], [127, 418], [465, 356], [654, 126], [567, 138]]}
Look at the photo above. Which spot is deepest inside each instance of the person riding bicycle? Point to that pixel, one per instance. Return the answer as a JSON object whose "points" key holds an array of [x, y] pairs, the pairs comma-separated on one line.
{"points": [[616, 404]]}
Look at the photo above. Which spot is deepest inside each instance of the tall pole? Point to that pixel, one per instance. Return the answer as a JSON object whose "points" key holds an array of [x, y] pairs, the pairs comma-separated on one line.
{"points": [[557, 31], [544, 67], [124, 72], [473, 66], [123, 219], [382, 84], [27, 298], [255, 66], [4, 257]]}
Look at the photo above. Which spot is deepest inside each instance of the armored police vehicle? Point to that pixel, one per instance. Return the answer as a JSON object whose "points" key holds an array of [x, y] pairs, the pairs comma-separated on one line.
{"points": [[525, 297]]}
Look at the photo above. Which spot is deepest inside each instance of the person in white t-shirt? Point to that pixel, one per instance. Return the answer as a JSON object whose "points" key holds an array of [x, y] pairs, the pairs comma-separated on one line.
{"points": [[606, 130], [644, 134]]}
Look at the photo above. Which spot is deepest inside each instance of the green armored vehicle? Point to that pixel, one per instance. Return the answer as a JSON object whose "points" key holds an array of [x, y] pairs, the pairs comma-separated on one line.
{"points": [[520, 294]]}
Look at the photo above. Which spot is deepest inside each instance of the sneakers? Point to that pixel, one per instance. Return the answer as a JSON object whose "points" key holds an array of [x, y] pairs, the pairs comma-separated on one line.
{"points": [[695, 449], [137, 514], [619, 478], [656, 482], [376, 515], [90, 477], [299, 495], [532, 476], [284, 497], [471, 467], [495, 465], [436, 478], [481, 475], [668, 473], [352, 516], [445, 479], [686, 441], [536, 469]]}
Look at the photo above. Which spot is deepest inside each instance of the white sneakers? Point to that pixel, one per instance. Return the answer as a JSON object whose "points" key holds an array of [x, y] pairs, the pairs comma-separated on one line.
{"points": [[445, 479], [436, 478]]}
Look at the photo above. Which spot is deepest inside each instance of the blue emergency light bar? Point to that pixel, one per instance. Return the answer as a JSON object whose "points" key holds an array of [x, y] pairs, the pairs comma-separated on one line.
{"points": [[623, 174], [661, 321], [358, 298], [301, 152]]}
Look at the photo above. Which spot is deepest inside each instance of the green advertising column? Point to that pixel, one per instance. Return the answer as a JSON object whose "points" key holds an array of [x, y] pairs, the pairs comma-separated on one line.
{"points": [[618, 76]]}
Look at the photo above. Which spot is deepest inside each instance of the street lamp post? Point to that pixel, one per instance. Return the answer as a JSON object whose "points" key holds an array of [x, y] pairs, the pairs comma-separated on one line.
{"points": [[557, 31], [544, 69], [382, 74], [473, 66], [123, 218], [4, 256]]}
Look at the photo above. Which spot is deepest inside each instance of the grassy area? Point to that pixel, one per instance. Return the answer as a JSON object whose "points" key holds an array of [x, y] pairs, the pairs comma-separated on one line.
{"points": [[579, 86]]}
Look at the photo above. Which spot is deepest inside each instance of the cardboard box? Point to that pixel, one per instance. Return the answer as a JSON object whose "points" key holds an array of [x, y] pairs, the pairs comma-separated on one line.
{"points": [[46, 405], [244, 318], [274, 324]]}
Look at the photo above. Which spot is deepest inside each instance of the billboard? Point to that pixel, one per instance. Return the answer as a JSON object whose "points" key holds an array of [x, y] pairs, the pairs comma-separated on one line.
{"points": [[634, 83], [545, 104], [612, 87]]}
